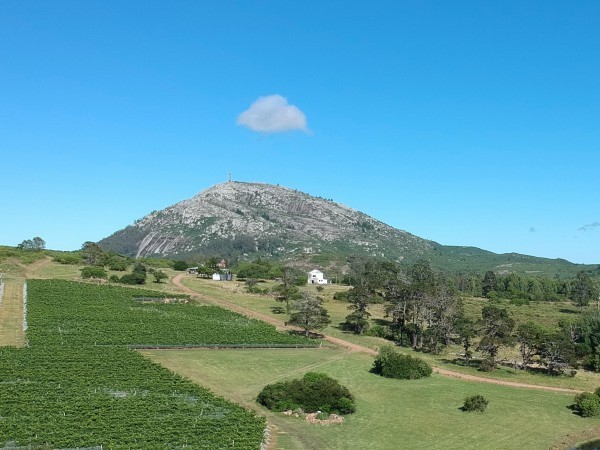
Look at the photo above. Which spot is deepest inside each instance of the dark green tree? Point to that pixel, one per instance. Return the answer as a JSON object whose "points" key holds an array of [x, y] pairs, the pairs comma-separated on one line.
{"points": [[583, 290], [530, 337], [489, 283], [367, 277], [466, 329], [557, 352], [92, 254], [287, 291], [308, 313], [496, 331], [158, 275]]}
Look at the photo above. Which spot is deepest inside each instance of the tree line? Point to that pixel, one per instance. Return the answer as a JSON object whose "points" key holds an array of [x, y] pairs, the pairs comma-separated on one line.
{"points": [[425, 311]]}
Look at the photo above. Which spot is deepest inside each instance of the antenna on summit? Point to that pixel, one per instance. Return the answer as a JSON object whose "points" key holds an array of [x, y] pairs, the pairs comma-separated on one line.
{"points": [[230, 177]]}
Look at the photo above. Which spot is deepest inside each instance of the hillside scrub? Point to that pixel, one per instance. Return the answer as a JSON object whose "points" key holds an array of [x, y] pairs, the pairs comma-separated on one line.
{"points": [[314, 392]]}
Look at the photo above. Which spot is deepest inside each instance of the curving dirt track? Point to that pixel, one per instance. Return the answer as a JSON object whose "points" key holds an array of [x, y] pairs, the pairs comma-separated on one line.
{"points": [[358, 348]]}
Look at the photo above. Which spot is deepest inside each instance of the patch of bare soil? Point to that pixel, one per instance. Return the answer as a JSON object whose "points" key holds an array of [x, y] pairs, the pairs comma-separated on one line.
{"points": [[31, 269]]}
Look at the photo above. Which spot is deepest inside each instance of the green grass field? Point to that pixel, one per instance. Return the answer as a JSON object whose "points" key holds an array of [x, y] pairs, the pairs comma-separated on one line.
{"points": [[391, 414], [549, 313]]}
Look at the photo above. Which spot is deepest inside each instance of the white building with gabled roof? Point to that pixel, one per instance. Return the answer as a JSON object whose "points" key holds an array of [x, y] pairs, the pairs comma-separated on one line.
{"points": [[316, 277]]}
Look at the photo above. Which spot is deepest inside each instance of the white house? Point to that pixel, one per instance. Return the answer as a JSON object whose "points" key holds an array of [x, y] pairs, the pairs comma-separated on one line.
{"points": [[316, 277]]}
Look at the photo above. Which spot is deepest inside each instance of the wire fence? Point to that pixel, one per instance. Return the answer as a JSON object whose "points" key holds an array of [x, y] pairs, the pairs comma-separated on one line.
{"points": [[217, 346]]}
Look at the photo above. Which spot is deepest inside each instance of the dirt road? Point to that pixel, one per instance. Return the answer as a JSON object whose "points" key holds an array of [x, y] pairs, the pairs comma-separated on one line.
{"points": [[355, 347]]}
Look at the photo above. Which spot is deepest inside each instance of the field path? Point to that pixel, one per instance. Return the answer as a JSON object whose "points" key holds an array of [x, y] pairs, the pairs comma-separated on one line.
{"points": [[31, 269], [280, 325], [11, 315]]}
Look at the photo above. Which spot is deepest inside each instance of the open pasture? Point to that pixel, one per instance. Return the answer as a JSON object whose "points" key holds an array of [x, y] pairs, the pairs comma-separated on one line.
{"points": [[391, 414], [549, 314]]}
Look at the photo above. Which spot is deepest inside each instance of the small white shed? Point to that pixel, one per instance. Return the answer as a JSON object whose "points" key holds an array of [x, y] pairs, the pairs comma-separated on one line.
{"points": [[316, 277]]}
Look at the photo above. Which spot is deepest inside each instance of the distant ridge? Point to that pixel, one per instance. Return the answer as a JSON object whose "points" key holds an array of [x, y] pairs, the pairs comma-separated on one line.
{"points": [[247, 220]]}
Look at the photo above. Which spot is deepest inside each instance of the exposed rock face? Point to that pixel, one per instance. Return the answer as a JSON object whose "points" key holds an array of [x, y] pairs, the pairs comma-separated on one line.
{"points": [[243, 218], [249, 220]]}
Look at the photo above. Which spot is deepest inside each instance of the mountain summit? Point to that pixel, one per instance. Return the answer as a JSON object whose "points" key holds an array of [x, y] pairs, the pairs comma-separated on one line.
{"points": [[250, 220], [235, 218]]}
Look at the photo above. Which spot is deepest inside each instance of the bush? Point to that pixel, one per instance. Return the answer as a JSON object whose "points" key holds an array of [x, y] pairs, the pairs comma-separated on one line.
{"points": [[475, 403], [378, 331], [486, 365], [71, 259], [392, 364], [314, 392], [118, 265], [93, 272], [180, 265], [587, 404], [341, 295]]}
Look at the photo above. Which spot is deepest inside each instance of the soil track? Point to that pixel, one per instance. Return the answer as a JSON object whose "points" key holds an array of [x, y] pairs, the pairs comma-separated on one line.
{"points": [[355, 347]]}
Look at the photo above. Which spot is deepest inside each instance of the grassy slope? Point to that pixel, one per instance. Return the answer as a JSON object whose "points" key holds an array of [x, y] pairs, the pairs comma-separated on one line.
{"points": [[422, 414]]}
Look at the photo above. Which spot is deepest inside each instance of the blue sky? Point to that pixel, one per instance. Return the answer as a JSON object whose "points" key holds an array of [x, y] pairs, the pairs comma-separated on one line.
{"points": [[467, 123]]}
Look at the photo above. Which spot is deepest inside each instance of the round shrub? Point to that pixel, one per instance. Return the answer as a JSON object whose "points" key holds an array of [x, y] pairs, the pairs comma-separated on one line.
{"points": [[475, 403], [486, 365], [587, 404], [392, 364], [180, 265], [314, 392], [93, 272]]}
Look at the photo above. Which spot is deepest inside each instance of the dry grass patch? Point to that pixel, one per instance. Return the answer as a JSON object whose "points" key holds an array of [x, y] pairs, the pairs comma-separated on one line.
{"points": [[11, 316]]}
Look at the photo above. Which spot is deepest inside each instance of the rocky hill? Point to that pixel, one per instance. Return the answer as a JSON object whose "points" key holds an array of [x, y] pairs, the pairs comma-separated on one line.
{"points": [[248, 220], [252, 218]]}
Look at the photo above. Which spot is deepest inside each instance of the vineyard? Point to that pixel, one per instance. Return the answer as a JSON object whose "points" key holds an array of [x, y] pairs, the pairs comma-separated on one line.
{"points": [[67, 313], [78, 385]]}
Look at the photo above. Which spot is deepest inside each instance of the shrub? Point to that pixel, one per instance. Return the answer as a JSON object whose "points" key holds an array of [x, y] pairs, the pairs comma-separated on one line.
{"points": [[71, 259], [475, 403], [314, 392], [378, 331], [341, 295], [118, 264], [93, 272], [180, 265], [392, 364], [587, 404], [486, 365]]}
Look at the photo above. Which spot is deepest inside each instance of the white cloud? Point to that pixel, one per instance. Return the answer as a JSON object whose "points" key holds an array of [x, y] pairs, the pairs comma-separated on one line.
{"points": [[590, 226], [273, 114]]}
